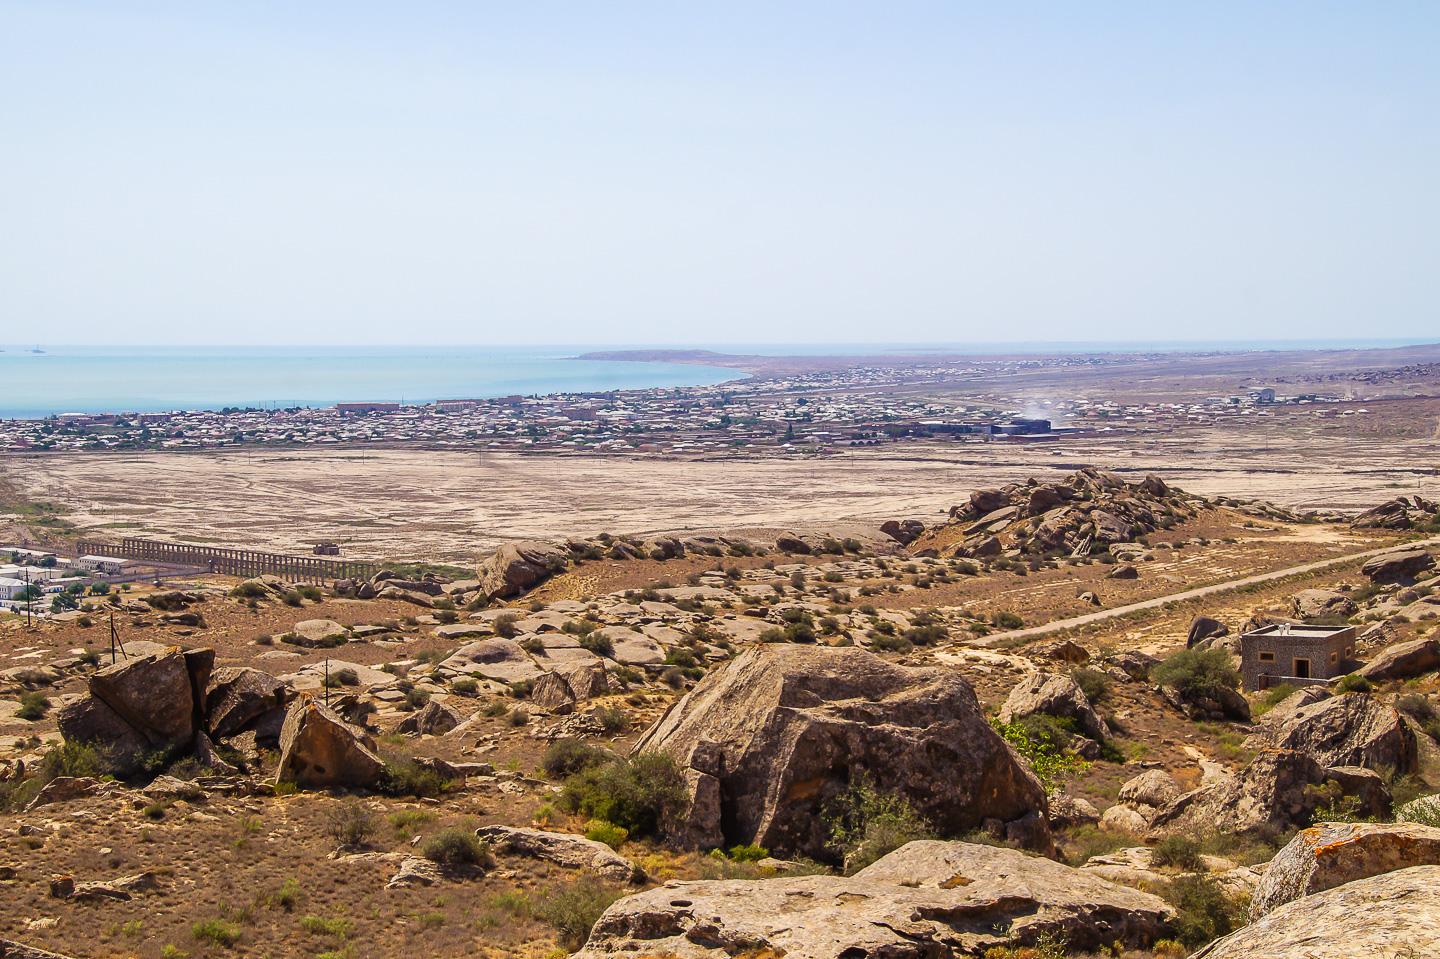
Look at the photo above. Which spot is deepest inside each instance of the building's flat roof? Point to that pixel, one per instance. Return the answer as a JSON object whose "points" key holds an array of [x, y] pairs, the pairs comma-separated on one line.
{"points": [[1298, 631]]}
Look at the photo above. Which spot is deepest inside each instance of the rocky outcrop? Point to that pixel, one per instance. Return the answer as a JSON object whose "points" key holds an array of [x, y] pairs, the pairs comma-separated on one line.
{"points": [[567, 685], [781, 730], [1278, 790], [1401, 566], [1393, 914], [903, 531], [1351, 730], [926, 899], [1402, 512], [432, 719], [517, 567], [1321, 603], [1203, 628], [319, 749], [1404, 660], [152, 704], [563, 849], [1054, 695], [238, 697], [1331, 854]]}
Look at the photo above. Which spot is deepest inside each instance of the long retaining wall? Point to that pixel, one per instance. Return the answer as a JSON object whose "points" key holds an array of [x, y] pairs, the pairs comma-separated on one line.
{"points": [[231, 562]]}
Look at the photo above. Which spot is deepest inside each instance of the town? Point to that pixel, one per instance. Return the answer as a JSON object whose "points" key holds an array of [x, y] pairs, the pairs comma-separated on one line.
{"points": [[816, 412]]}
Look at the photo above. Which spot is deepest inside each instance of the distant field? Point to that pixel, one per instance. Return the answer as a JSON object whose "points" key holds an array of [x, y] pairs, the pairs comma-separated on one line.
{"points": [[446, 506]]}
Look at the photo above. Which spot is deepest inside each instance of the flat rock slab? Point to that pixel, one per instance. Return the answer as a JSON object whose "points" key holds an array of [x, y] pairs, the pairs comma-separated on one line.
{"points": [[563, 849]]}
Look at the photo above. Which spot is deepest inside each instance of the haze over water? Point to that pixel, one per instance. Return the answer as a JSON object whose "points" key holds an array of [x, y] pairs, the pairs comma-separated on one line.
{"points": [[155, 379]]}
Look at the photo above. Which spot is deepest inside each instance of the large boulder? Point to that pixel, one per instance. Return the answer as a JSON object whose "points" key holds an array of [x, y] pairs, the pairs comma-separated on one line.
{"points": [[1203, 628], [1351, 730], [1395, 914], [433, 719], [516, 567], [1054, 695], [319, 749], [1277, 791], [1321, 603], [1401, 566], [1404, 660], [238, 696], [563, 849], [1330, 854], [784, 729], [926, 899], [147, 705]]}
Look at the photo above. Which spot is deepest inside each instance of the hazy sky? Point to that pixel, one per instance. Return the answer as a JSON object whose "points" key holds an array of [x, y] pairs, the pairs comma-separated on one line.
{"points": [[532, 172]]}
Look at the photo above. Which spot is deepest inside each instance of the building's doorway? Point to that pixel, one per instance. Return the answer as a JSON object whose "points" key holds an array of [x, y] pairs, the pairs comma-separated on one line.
{"points": [[1302, 668]]}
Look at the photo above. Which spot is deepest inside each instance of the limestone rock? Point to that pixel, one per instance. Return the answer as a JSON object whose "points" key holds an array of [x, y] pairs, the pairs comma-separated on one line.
{"points": [[432, 719], [797, 724], [1404, 660], [926, 899], [502, 660], [1393, 914], [563, 849], [321, 633], [1318, 603], [238, 696], [319, 749], [1203, 628], [1275, 792], [516, 567], [1351, 730], [1329, 854], [1054, 695], [1401, 566]]}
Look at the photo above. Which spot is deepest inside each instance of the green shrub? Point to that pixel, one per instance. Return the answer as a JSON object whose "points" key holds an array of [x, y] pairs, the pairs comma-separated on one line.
{"points": [[574, 909], [405, 777], [607, 832], [1179, 852], [1092, 682], [33, 706], [1044, 743], [350, 824], [566, 757], [1203, 911], [887, 643], [749, 853], [505, 625], [288, 896], [464, 686], [216, 931], [645, 794], [1198, 672], [865, 823], [336, 928], [1272, 697], [1424, 811], [1353, 683], [456, 847], [1006, 620]]}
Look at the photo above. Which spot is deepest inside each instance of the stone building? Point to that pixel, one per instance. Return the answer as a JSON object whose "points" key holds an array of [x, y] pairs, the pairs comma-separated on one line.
{"points": [[1295, 653]]}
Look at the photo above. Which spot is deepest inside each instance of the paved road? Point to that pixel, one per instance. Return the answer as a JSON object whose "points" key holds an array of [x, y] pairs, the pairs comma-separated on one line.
{"points": [[1005, 639]]}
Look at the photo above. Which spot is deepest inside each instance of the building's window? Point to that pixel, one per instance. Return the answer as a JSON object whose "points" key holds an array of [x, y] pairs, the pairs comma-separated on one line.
{"points": [[1267, 657], [1334, 658]]}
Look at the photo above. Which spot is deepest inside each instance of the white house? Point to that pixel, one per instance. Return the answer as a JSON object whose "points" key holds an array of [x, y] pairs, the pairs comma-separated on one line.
{"points": [[107, 565]]}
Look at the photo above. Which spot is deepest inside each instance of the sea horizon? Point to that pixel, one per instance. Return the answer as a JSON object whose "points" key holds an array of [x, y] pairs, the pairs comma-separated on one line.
{"points": [[43, 380]]}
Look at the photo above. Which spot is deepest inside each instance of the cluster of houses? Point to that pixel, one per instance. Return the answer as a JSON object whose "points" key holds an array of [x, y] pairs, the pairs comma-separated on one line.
{"points": [[28, 577], [802, 413]]}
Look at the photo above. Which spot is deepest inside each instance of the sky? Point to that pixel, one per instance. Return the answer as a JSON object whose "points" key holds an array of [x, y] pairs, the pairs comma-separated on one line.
{"points": [[692, 172]]}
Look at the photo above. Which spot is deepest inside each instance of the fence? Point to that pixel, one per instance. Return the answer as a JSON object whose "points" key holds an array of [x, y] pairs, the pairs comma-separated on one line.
{"points": [[231, 562]]}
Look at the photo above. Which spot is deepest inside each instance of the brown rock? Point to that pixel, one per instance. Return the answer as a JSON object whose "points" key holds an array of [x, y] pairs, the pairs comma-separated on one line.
{"points": [[319, 749], [517, 567], [1404, 660], [1351, 730], [926, 899], [797, 724], [1330, 854], [237, 696]]}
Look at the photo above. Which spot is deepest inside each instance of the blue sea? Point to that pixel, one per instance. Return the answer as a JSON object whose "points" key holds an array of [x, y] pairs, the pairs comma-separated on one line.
{"points": [[146, 379]]}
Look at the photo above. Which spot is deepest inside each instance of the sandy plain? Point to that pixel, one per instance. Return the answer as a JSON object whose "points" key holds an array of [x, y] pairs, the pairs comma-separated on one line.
{"points": [[438, 506]]}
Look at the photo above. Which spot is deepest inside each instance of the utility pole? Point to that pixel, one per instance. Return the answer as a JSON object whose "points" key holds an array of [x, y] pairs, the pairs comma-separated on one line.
{"points": [[29, 600]]}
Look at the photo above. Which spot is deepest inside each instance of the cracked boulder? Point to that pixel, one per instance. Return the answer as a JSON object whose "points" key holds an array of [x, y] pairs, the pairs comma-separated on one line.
{"points": [[776, 734], [926, 899]]}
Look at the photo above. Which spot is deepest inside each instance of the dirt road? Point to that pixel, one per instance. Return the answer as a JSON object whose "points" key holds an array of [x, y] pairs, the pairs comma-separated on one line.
{"points": [[1060, 625]]}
